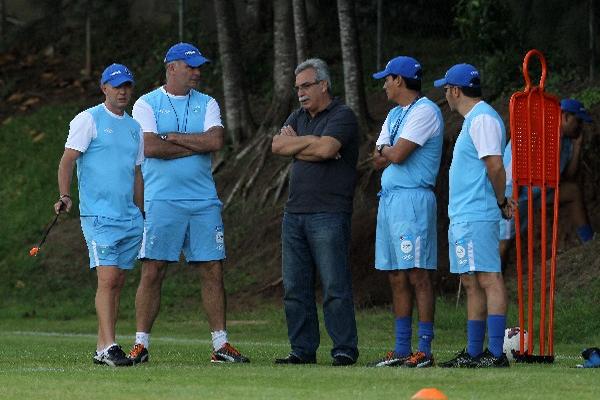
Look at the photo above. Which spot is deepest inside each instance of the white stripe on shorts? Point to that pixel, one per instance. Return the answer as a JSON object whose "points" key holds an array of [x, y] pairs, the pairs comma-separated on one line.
{"points": [[95, 252], [142, 252], [471, 256], [418, 252]]}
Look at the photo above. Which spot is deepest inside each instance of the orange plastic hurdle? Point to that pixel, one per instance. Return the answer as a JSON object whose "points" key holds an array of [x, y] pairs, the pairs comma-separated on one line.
{"points": [[535, 134]]}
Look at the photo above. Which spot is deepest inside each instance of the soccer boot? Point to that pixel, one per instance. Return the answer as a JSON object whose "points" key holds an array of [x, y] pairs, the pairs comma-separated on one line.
{"points": [[462, 360], [139, 354], [114, 357], [294, 359], [228, 353], [391, 359], [488, 360], [419, 360]]}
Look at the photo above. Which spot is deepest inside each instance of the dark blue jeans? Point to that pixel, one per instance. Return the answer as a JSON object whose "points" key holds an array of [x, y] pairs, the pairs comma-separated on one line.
{"points": [[311, 242]]}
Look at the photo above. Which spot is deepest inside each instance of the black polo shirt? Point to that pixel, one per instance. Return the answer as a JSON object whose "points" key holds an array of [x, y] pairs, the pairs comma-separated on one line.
{"points": [[325, 186]]}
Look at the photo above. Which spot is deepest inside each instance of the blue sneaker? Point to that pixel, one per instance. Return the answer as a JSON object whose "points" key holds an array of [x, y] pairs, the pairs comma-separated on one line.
{"points": [[591, 357]]}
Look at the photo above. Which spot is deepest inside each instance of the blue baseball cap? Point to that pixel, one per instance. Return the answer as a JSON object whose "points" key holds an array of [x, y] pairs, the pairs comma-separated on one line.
{"points": [[406, 67], [577, 108], [116, 75], [463, 75], [186, 53]]}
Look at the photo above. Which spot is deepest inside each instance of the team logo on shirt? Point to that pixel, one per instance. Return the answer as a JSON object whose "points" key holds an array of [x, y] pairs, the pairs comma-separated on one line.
{"points": [[197, 109], [164, 110], [134, 135], [108, 130], [219, 237]]}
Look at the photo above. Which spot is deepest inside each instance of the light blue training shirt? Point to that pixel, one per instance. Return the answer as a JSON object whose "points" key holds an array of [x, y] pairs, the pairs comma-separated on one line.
{"points": [[106, 168], [420, 168], [186, 178], [472, 196]]}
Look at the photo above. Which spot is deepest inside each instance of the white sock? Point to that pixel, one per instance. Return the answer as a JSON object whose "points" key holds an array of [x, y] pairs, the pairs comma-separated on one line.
{"points": [[142, 338], [104, 350], [219, 338]]}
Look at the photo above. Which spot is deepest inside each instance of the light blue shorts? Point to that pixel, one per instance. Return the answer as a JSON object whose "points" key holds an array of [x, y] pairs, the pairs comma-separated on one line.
{"points": [[406, 234], [112, 242], [473, 247], [192, 226]]}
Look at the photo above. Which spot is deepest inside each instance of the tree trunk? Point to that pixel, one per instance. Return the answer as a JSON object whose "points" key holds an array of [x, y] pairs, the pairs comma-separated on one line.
{"points": [[379, 33], [254, 11], [300, 30], [180, 19], [283, 65], [2, 18], [592, 43], [353, 83], [239, 121], [87, 70]]}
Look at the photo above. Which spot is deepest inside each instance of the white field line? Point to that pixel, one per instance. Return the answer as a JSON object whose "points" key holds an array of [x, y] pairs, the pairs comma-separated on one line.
{"points": [[170, 339]]}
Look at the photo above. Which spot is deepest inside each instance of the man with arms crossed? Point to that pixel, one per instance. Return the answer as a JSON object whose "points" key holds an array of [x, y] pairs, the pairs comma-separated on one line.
{"points": [[322, 138], [476, 204], [409, 148], [108, 147], [182, 127]]}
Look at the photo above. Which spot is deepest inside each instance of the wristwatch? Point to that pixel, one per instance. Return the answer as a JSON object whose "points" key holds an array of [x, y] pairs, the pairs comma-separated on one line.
{"points": [[163, 137], [380, 148]]}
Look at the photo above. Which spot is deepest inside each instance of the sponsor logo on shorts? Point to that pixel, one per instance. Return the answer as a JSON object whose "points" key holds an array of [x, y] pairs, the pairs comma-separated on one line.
{"points": [[460, 252], [164, 110], [219, 237], [108, 130]]}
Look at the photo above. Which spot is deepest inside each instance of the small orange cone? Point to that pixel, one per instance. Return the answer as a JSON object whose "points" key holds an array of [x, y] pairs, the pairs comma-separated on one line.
{"points": [[429, 394]]}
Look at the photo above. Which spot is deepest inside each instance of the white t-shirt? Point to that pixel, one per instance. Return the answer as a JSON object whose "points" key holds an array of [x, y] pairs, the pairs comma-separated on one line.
{"points": [[419, 127]]}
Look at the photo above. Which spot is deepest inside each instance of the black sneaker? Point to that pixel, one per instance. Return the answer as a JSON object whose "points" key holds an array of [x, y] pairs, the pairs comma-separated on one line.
{"points": [[228, 354], [342, 360], [139, 354], [488, 360], [391, 359], [114, 356], [294, 359], [462, 360]]}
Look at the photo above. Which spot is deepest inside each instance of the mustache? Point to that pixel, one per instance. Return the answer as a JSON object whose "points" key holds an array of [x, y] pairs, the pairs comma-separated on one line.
{"points": [[303, 98]]}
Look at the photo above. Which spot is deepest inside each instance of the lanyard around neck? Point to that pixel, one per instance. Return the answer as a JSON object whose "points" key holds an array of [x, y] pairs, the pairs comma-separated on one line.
{"points": [[399, 121]]}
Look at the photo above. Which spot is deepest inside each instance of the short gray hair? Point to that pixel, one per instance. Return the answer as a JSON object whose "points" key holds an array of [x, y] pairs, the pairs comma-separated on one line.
{"points": [[320, 67]]}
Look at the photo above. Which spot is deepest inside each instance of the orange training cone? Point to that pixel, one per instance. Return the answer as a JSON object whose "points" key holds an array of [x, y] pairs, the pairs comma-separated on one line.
{"points": [[429, 394]]}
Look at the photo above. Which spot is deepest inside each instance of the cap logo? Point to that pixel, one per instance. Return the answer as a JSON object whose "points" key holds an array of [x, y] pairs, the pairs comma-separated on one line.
{"points": [[117, 72], [190, 53]]}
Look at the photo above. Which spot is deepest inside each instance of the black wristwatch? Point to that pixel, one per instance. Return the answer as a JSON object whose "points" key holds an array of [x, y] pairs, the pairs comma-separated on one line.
{"points": [[380, 148], [163, 137]]}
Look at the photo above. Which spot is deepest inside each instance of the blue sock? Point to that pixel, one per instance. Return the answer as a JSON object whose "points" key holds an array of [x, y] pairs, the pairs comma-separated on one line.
{"points": [[585, 233], [475, 337], [403, 336], [425, 337], [496, 325]]}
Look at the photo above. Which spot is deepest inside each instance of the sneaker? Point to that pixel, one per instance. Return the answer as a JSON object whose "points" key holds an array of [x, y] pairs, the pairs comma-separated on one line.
{"points": [[419, 360], [462, 360], [294, 359], [342, 360], [114, 356], [391, 359], [139, 354], [488, 360], [228, 353]]}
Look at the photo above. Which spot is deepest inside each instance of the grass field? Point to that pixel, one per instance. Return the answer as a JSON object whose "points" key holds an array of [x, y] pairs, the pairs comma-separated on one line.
{"points": [[51, 359]]}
